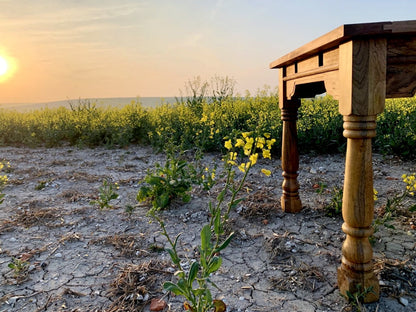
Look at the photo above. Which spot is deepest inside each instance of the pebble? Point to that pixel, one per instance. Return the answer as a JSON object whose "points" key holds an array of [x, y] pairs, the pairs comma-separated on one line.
{"points": [[403, 301], [58, 255], [157, 304]]}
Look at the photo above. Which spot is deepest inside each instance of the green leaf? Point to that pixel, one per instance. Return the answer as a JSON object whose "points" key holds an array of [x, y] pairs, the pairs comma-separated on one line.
{"points": [[206, 238], [193, 271], [202, 258], [173, 256], [225, 243], [214, 264], [186, 198], [176, 240], [143, 193], [236, 202], [163, 200], [180, 273], [217, 222], [169, 286], [412, 208], [154, 180], [221, 195], [182, 284]]}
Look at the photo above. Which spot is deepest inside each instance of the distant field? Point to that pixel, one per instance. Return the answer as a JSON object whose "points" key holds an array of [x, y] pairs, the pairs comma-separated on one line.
{"points": [[104, 102]]}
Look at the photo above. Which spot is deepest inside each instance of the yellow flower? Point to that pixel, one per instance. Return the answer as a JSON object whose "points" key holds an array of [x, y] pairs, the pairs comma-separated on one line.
{"points": [[245, 134], [270, 143], [253, 158], [228, 145], [375, 194], [242, 167], [266, 172], [267, 154], [267, 135], [248, 146], [260, 142], [240, 143], [204, 118], [213, 175], [233, 155]]}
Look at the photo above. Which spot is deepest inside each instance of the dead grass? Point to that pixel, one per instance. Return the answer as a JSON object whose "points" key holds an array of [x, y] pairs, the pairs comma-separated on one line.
{"points": [[260, 204], [126, 244], [136, 285], [399, 277], [29, 217], [303, 277]]}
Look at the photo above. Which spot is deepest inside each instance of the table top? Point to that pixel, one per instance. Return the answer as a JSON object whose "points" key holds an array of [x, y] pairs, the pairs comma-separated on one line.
{"points": [[345, 33]]}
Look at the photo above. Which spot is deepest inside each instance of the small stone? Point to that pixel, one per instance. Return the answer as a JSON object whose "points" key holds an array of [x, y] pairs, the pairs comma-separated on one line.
{"points": [[58, 255], [404, 301], [157, 304], [241, 298], [313, 171], [292, 273]]}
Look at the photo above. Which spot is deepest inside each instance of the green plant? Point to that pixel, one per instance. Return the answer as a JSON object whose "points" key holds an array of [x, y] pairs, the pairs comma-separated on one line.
{"points": [[3, 181], [41, 185], [19, 268], [194, 284], [394, 203], [166, 183], [356, 298], [107, 192], [334, 208], [199, 297], [320, 188]]}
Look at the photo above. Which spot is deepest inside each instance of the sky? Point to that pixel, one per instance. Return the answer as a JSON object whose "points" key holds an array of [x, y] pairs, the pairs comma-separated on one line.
{"points": [[70, 49]]}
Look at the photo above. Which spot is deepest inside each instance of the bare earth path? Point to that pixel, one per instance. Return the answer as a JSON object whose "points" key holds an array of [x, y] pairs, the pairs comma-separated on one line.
{"points": [[85, 259]]}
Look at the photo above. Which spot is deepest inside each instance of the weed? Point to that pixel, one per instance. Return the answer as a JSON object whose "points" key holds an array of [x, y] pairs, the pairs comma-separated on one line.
{"points": [[166, 183], [41, 185], [320, 188], [193, 284], [3, 180], [107, 192], [393, 204], [356, 298], [129, 209], [334, 208], [20, 268]]}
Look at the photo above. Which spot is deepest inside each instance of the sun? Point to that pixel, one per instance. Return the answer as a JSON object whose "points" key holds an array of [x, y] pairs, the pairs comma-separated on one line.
{"points": [[3, 66]]}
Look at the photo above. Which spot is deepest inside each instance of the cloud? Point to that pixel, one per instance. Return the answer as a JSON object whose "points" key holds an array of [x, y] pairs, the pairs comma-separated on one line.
{"points": [[56, 22]]}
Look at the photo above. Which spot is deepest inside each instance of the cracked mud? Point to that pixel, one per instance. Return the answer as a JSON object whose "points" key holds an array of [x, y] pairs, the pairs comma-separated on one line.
{"points": [[80, 258]]}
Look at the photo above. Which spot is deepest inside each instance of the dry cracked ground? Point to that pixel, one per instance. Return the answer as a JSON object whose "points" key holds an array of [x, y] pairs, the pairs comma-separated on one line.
{"points": [[81, 258]]}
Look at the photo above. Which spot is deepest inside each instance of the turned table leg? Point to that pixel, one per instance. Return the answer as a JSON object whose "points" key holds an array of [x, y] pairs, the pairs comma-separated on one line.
{"points": [[356, 269], [290, 158]]}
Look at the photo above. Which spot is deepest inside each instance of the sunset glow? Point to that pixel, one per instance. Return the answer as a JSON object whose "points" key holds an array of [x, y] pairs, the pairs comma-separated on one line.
{"points": [[3, 66], [58, 50]]}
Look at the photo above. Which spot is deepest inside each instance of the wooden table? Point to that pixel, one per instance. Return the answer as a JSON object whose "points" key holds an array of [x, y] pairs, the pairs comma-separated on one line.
{"points": [[360, 65]]}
